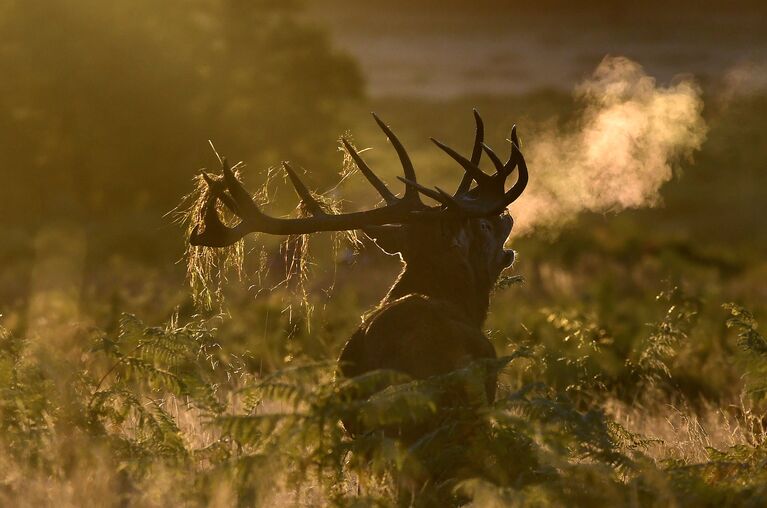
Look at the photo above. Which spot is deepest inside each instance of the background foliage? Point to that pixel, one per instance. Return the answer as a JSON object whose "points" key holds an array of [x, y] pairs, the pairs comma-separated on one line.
{"points": [[111, 104]]}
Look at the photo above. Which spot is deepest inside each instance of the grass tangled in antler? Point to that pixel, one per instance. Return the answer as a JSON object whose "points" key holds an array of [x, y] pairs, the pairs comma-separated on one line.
{"points": [[208, 268]]}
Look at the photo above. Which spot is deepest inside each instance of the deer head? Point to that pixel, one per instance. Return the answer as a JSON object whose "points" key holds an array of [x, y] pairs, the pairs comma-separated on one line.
{"points": [[452, 250]]}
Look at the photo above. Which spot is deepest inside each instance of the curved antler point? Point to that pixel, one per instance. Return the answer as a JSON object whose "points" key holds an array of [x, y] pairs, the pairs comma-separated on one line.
{"points": [[347, 145]]}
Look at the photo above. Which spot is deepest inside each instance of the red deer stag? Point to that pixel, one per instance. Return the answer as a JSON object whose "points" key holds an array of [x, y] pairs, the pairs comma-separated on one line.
{"points": [[430, 322]]}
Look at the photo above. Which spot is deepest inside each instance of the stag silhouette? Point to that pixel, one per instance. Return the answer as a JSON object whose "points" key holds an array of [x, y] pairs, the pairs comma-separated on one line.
{"points": [[430, 322]]}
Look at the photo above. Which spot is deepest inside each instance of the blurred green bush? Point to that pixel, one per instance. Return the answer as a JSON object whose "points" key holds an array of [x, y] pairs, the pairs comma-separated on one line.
{"points": [[108, 106]]}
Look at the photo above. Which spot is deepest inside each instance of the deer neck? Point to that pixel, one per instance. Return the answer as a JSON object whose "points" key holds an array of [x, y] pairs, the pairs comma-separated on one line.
{"points": [[461, 288]]}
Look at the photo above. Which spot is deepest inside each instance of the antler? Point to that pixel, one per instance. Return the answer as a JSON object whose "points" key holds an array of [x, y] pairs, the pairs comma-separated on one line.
{"points": [[485, 199]]}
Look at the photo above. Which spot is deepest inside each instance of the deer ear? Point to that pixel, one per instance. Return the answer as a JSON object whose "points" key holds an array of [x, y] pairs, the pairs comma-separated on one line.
{"points": [[390, 239]]}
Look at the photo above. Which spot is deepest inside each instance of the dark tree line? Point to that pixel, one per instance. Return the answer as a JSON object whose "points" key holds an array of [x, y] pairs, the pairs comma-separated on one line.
{"points": [[107, 106]]}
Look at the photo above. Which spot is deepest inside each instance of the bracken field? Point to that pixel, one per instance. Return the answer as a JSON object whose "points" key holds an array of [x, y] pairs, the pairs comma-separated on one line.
{"points": [[138, 371]]}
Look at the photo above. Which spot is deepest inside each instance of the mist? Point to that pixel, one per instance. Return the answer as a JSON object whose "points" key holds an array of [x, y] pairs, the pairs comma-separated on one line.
{"points": [[747, 78], [618, 153]]}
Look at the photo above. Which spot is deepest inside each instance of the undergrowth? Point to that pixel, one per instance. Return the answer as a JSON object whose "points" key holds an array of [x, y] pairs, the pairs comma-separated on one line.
{"points": [[166, 416]]}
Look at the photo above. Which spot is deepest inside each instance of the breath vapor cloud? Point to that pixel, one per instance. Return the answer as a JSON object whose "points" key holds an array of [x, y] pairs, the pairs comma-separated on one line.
{"points": [[617, 154]]}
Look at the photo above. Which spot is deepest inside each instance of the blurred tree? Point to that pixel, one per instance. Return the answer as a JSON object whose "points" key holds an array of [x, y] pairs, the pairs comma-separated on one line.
{"points": [[107, 106]]}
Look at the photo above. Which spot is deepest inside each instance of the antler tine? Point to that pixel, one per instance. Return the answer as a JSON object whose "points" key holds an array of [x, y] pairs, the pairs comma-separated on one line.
{"points": [[239, 202], [424, 190], [522, 178], [245, 205], [306, 197], [217, 188], [451, 202], [499, 166], [476, 153], [411, 194], [514, 147], [376, 182], [502, 170], [472, 169], [479, 136]]}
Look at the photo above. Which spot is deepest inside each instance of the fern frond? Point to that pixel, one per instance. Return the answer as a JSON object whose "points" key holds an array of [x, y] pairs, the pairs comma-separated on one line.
{"points": [[253, 429]]}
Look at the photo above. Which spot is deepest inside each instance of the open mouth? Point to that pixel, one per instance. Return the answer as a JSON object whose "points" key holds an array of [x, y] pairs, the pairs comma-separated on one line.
{"points": [[508, 257]]}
